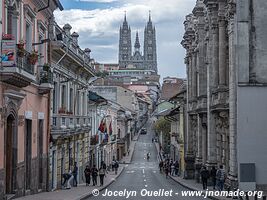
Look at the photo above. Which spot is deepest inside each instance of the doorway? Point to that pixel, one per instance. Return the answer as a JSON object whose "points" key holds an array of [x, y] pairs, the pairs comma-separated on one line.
{"points": [[11, 155], [28, 155]]}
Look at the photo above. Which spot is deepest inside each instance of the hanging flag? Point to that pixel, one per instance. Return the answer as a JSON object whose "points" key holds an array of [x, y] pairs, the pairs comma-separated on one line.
{"points": [[104, 127], [110, 128], [101, 127]]}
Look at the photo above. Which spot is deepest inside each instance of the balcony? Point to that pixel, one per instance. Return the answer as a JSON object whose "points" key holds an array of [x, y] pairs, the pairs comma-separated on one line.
{"points": [[46, 82], [20, 73]]}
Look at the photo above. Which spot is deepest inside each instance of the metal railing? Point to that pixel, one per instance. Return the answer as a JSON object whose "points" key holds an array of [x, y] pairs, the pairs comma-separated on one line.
{"points": [[46, 77], [23, 63]]}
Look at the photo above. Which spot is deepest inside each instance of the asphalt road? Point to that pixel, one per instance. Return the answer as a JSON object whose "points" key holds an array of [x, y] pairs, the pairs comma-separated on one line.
{"points": [[142, 174]]}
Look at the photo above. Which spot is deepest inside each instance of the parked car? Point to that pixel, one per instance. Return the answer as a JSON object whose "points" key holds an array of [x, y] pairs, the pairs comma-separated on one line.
{"points": [[143, 131]]}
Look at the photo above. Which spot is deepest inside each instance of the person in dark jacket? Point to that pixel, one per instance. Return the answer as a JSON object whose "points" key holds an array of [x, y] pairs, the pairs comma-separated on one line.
{"points": [[204, 177], [75, 173], [87, 174], [213, 177], [94, 172]]}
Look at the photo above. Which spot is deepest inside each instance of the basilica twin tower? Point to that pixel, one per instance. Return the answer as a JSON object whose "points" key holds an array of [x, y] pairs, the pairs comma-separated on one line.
{"points": [[127, 59]]}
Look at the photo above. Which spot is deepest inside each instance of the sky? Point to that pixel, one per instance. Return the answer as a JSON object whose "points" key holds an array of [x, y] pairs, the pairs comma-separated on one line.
{"points": [[98, 21]]}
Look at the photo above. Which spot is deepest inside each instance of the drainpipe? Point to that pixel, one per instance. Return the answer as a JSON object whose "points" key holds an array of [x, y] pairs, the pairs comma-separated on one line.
{"points": [[44, 7]]}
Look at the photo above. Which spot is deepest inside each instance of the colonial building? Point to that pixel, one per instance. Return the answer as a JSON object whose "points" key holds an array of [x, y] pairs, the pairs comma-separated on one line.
{"points": [[127, 59], [25, 84], [225, 59], [71, 118]]}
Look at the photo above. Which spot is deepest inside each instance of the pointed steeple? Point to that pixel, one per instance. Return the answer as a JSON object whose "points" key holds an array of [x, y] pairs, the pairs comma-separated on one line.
{"points": [[137, 43], [125, 20], [149, 16], [125, 23]]}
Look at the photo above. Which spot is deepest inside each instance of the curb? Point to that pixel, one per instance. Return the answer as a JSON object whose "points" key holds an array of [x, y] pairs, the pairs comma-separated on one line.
{"points": [[100, 189], [191, 188]]}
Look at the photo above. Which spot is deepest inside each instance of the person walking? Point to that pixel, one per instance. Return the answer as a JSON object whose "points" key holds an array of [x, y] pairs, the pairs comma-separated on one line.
{"points": [[204, 177], [87, 174], [213, 176], [160, 166], [94, 172], [66, 177], [167, 169], [148, 156], [116, 166], [102, 173], [220, 176], [75, 173], [172, 169], [176, 167]]}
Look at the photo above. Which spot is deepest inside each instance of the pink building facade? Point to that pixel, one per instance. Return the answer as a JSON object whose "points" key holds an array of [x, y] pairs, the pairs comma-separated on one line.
{"points": [[25, 87]]}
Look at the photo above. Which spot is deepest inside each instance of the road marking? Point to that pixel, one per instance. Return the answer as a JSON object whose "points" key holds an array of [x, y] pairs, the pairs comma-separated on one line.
{"points": [[130, 172], [145, 185], [154, 172], [144, 176], [145, 180], [143, 171]]}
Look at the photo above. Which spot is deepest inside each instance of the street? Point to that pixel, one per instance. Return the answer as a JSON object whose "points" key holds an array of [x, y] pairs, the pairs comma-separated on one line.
{"points": [[142, 174]]}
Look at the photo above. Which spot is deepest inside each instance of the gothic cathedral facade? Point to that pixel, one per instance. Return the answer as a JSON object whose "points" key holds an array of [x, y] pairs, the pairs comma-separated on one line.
{"points": [[127, 59]]}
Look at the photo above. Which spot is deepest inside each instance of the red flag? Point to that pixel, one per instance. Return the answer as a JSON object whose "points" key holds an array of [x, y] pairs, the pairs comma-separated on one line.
{"points": [[101, 127], [110, 129], [105, 127]]}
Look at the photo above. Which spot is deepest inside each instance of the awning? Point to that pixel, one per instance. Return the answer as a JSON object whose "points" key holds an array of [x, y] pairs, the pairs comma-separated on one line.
{"points": [[96, 98]]}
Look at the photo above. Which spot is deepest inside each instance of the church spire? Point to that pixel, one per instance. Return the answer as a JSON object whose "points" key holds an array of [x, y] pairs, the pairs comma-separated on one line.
{"points": [[149, 19], [137, 43], [125, 20]]}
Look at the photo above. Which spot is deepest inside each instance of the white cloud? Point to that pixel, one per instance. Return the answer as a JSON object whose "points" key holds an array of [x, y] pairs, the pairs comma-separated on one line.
{"points": [[99, 29]]}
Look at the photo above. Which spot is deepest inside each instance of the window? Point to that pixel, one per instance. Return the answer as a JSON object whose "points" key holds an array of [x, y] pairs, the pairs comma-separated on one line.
{"points": [[55, 97], [63, 121], [28, 37], [71, 121], [54, 121], [63, 96], [78, 121], [71, 100]]}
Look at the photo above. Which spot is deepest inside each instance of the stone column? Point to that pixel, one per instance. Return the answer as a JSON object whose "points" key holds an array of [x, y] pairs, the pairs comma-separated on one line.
{"points": [[232, 95], [222, 43], [194, 74], [212, 79]]}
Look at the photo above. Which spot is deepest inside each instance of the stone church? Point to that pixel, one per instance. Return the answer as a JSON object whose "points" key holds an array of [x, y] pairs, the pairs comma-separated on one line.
{"points": [[137, 60]]}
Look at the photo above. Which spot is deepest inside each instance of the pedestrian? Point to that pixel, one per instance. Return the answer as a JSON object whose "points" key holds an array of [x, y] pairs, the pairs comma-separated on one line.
{"points": [[113, 164], [152, 140], [75, 173], [69, 180], [160, 166], [66, 177], [220, 176], [87, 174], [103, 164], [102, 173], [167, 169], [116, 166], [213, 176], [148, 156], [204, 177], [172, 169], [176, 167], [94, 172]]}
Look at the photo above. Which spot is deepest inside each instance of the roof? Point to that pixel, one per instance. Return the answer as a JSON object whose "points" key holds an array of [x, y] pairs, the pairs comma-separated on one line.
{"points": [[95, 97], [168, 89], [59, 5]]}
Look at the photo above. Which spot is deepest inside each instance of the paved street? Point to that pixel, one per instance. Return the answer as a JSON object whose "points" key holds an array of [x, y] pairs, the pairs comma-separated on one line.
{"points": [[143, 174]]}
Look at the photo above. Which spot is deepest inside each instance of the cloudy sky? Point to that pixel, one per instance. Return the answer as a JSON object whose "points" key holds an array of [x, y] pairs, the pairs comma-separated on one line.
{"points": [[98, 22]]}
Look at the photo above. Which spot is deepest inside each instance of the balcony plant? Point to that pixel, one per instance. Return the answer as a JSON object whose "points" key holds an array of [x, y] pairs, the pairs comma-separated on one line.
{"points": [[46, 67], [33, 57], [21, 49], [69, 112], [62, 110]]}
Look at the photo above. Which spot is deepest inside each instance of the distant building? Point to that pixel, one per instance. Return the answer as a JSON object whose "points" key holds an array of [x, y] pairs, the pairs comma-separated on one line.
{"points": [[137, 60], [171, 86]]}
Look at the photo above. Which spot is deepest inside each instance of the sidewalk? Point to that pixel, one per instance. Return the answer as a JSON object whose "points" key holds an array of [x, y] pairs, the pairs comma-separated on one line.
{"points": [[75, 193], [191, 184], [82, 191], [128, 158]]}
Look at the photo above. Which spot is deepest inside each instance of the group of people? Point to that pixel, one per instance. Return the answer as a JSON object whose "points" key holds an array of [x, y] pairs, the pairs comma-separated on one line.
{"points": [[169, 167], [90, 173], [217, 176]]}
